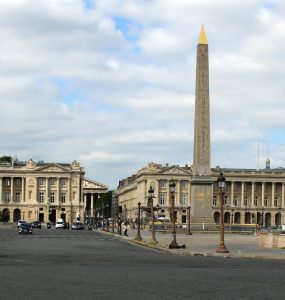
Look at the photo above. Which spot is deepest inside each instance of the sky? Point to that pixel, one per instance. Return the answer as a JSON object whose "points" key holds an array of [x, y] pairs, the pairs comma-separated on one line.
{"points": [[111, 83]]}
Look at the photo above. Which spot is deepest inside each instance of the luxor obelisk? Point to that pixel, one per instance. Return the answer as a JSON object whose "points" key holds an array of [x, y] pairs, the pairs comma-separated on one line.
{"points": [[201, 192]]}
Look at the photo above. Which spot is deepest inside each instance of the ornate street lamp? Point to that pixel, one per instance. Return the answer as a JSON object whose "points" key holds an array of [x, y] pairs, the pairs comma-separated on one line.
{"points": [[150, 202], [107, 217], [232, 219], [173, 244], [222, 186], [138, 237], [188, 221], [113, 229]]}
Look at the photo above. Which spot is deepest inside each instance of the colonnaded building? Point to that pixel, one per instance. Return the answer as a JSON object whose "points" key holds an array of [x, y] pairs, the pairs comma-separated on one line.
{"points": [[252, 196], [46, 191]]}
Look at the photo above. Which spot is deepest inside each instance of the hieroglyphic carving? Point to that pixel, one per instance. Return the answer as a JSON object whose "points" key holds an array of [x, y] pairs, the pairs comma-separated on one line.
{"points": [[202, 157]]}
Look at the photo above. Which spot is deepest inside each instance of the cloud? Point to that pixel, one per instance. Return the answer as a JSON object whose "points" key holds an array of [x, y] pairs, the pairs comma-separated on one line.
{"points": [[111, 83]]}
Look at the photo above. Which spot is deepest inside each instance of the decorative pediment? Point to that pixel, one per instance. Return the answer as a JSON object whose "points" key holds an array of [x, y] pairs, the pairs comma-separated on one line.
{"points": [[53, 168], [91, 184], [176, 170]]}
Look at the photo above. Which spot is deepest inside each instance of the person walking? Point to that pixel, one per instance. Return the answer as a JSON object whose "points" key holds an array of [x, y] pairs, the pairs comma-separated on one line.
{"points": [[125, 229]]}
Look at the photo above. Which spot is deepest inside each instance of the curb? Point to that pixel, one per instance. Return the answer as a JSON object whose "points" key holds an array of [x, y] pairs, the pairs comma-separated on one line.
{"points": [[181, 252]]}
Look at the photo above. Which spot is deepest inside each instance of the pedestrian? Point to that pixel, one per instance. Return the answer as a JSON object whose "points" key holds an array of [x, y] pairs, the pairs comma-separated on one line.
{"points": [[125, 229]]}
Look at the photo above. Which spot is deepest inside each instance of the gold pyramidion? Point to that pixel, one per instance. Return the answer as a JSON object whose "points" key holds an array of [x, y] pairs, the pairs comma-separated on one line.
{"points": [[203, 38]]}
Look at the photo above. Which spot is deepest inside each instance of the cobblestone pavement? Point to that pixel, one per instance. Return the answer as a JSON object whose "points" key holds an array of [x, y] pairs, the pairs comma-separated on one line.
{"points": [[206, 244]]}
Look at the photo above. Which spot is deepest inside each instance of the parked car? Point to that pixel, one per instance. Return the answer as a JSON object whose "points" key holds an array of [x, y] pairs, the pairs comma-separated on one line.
{"points": [[60, 225], [77, 226], [37, 224], [26, 228], [21, 222]]}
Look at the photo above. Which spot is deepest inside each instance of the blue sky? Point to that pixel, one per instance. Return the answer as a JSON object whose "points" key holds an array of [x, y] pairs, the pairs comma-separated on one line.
{"points": [[111, 83]]}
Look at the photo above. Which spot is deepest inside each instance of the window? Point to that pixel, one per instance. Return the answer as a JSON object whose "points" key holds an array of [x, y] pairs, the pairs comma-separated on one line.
{"points": [[162, 183], [52, 197], [6, 197], [255, 201], [235, 201], [41, 181], [74, 196], [226, 200], [29, 214], [7, 182], [183, 199], [184, 184], [214, 202], [62, 197], [275, 201], [41, 196], [30, 195], [265, 201], [18, 181], [63, 181], [52, 181], [162, 198], [245, 201], [17, 197]]}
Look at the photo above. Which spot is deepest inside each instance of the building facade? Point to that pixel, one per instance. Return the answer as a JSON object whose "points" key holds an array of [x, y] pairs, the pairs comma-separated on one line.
{"points": [[45, 191], [252, 196]]}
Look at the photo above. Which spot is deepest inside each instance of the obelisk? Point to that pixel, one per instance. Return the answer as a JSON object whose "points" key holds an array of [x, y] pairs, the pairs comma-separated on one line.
{"points": [[202, 147], [202, 182]]}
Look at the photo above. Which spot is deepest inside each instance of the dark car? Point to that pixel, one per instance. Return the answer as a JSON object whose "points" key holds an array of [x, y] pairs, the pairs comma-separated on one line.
{"points": [[77, 226], [26, 228], [37, 224]]}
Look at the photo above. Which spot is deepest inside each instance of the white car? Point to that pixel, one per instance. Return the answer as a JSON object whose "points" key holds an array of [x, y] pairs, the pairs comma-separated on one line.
{"points": [[59, 225], [21, 222]]}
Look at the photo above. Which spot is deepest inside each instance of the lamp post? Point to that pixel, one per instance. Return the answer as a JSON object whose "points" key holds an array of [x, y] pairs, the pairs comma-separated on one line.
{"points": [[232, 220], [113, 229], [107, 217], [279, 216], [173, 244], [222, 186], [125, 213], [188, 220], [138, 237], [150, 202], [262, 217]]}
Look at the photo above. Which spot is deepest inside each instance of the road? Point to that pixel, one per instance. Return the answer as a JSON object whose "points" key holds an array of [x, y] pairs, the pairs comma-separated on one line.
{"points": [[66, 264]]}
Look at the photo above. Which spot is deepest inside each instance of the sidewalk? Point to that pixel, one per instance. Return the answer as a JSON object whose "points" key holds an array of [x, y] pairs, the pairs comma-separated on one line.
{"points": [[206, 244]]}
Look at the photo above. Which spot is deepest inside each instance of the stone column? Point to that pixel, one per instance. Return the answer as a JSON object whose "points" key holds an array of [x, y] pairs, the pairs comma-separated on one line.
{"points": [[262, 194], [1, 189], [177, 198], [12, 189], [232, 192], [282, 195], [252, 194], [84, 204], [36, 189], [23, 189], [46, 190], [272, 194], [92, 204], [167, 200], [58, 190], [242, 194]]}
